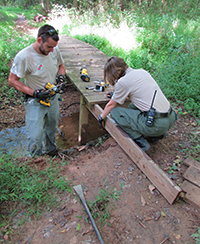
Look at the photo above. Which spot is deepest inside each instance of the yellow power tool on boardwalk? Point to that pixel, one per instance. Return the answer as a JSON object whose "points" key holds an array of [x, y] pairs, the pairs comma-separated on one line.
{"points": [[101, 83], [84, 75]]}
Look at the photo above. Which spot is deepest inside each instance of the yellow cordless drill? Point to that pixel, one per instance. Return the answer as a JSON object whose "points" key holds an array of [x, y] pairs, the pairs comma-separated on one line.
{"points": [[84, 75], [54, 89]]}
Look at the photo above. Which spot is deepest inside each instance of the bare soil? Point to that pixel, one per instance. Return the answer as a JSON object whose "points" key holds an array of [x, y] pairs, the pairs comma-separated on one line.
{"points": [[140, 215]]}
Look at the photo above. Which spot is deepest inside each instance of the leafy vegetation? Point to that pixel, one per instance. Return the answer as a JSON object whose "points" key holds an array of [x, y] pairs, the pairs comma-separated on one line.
{"points": [[99, 207], [24, 184], [169, 51], [196, 236], [165, 42], [11, 42]]}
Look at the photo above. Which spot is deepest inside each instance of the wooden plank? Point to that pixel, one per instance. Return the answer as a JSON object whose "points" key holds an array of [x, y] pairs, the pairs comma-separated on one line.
{"points": [[192, 193], [159, 179], [77, 54], [190, 161], [192, 174]]}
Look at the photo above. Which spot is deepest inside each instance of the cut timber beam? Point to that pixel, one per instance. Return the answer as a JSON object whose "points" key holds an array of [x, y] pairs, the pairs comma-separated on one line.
{"points": [[192, 174], [191, 162], [192, 193], [160, 180]]}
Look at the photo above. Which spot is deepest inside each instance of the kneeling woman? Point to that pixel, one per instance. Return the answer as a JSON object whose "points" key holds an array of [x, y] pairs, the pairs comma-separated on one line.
{"points": [[143, 123]]}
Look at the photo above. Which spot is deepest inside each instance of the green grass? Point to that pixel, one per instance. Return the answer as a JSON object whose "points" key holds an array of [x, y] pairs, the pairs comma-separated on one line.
{"points": [[101, 206], [28, 187]]}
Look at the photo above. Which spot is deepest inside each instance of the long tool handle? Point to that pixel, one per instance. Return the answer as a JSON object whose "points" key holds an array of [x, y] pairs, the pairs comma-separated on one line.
{"points": [[78, 190]]}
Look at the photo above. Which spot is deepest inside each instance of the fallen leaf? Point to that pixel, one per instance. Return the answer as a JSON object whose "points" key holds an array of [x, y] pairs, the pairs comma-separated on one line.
{"points": [[74, 201], [157, 215], [177, 161], [178, 237], [62, 231], [78, 227], [163, 214], [70, 225], [143, 201], [5, 237]]}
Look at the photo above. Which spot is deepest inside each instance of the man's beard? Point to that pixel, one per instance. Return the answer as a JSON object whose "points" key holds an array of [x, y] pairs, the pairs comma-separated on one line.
{"points": [[42, 51]]}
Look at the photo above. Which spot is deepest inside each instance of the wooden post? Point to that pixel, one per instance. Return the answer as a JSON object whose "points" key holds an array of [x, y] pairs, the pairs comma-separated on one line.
{"points": [[83, 122]]}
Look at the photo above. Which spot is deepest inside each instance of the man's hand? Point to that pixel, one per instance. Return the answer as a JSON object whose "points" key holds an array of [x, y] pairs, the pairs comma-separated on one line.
{"points": [[61, 79], [41, 94], [101, 121]]}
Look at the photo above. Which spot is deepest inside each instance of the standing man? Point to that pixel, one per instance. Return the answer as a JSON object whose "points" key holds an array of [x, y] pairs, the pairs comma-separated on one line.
{"points": [[39, 64], [142, 122]]}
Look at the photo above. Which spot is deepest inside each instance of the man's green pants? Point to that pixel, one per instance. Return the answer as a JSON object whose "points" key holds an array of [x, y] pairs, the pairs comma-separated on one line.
{"points": [[41, 124], [133, 122]]}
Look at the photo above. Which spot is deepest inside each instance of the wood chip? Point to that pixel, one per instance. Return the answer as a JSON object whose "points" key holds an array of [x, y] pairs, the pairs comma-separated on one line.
{"points": [[87, 231], [143, 201], [142, 225]]}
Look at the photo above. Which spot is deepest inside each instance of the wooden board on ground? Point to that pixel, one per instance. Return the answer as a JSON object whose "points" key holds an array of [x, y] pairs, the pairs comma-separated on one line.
{"points": [[191, 185], [160, 180], [192, 174], [192, 193], [190, 162]]}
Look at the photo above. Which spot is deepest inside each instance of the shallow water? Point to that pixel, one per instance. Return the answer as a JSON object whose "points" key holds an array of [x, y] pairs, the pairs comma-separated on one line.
{"points": [[14, 140]]}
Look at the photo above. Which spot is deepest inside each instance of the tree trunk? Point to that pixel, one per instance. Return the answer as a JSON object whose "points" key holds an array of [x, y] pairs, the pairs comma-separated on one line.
{"points": [[47, 5], [75, 4]]}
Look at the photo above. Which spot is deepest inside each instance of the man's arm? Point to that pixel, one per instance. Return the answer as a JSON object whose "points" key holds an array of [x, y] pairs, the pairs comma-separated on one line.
{"points": [[61, 70], [14, 81], [109, 106]]}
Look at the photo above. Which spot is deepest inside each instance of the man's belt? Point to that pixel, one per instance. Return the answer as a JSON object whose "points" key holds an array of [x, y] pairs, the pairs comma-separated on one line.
{"points": [[161, 115], [28, 96]]}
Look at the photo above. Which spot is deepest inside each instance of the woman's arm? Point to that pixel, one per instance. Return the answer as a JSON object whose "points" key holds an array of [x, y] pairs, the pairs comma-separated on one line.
{"points": [[109, 106]]}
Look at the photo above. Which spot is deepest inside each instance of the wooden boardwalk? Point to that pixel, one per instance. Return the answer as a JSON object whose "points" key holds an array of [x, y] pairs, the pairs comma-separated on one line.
{"points": [[78, 54]]}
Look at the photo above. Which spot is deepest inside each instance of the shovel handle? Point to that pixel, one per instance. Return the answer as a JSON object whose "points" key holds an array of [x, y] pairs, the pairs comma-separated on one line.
{"points": [[78, 190]]}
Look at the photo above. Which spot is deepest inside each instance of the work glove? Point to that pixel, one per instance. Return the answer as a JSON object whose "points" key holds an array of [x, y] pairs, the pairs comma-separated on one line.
{"points": [[101, 121], [61, 79], [60, 82], [109, 94], [41, 94]]}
